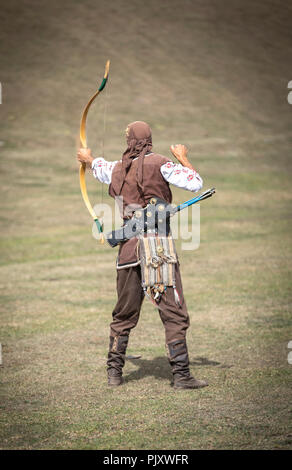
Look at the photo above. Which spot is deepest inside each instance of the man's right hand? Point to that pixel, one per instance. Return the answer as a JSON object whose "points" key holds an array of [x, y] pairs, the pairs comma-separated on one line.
{"points": [[180, 152]]}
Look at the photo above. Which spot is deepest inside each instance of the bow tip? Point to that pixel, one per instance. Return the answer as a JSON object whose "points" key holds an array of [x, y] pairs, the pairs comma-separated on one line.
{"points": [[107, 66]]}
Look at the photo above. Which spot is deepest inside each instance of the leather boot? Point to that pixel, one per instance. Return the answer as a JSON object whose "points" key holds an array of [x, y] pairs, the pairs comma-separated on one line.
{"points": [[179, 360], [116, 359]]}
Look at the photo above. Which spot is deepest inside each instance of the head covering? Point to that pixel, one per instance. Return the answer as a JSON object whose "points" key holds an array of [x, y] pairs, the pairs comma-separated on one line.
{"points": [[139, 141]]}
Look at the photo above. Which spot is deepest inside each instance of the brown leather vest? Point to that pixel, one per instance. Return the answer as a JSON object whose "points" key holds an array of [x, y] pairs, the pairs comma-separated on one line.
{"points": [[154, 185]]}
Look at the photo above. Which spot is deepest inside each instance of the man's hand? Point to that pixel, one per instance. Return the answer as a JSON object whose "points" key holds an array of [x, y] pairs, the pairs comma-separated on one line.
{"points": [[84, 156], [180, 152]]}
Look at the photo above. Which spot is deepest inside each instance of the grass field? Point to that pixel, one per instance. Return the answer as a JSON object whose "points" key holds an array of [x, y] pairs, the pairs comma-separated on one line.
{"points": [[211, 77]]}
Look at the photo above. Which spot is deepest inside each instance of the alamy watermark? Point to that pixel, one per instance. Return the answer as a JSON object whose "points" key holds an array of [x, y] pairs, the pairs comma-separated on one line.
{"points": [[290, 353], [289, 96], [185, 224]]}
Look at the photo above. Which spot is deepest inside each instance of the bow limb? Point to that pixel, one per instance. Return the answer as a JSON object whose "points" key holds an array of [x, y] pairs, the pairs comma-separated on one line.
{"points": [[83, 142]]}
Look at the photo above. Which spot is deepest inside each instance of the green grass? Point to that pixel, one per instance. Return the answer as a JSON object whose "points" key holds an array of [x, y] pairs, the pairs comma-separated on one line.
{"points": [[215, 79]]}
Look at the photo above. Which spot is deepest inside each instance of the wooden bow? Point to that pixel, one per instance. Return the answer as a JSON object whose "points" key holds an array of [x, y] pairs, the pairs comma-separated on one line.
{"points": [[83, 143]]}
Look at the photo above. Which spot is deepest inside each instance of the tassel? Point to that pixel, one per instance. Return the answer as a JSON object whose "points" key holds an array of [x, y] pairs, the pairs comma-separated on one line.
{"points": [[148, 294], [176, 297], [157, 296]]}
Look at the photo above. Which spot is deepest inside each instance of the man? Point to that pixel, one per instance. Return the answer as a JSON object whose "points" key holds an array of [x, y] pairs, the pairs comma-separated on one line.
{"points": [[134, 180]]}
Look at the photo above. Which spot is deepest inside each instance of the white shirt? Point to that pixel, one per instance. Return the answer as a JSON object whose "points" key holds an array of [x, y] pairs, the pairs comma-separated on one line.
{"points": [[173, 173]]}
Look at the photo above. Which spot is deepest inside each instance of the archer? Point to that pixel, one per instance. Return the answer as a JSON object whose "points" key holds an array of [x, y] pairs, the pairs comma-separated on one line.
{"points": [[138, 177]]}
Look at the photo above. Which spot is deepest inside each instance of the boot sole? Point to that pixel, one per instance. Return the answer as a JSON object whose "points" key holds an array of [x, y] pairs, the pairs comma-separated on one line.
{"points": [[183, 387], [115, 384]]}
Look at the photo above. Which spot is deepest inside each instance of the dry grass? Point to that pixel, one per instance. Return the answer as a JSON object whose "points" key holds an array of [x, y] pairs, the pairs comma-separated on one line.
{"points": [[215, 79]]}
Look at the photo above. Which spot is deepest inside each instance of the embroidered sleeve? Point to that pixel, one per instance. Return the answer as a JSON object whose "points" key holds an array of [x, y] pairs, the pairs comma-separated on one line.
{"points": [[182, 177], [102, 170]]}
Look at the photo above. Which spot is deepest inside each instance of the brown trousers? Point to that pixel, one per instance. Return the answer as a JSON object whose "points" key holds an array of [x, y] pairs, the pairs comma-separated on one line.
{"points": [[130, 297]]}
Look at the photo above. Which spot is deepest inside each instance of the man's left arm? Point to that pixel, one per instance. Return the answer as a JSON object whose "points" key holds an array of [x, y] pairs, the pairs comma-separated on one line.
{"points": [[183, 175]]}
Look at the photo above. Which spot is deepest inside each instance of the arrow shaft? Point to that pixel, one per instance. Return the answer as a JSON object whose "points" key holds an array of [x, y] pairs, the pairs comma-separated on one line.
{"points": [[196, 199]]}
